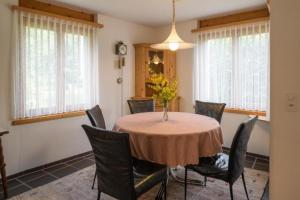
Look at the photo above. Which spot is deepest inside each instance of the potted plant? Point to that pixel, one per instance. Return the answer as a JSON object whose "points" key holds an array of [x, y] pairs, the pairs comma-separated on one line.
{"points": [[165, 91]]}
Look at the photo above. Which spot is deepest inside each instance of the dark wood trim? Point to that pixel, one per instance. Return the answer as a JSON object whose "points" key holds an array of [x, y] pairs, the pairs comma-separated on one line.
{"points": [[234, 19], [28, 171], [252, 154]]}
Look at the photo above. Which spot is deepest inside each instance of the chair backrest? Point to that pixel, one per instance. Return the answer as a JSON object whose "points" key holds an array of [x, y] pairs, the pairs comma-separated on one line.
{"points": [[238, 149], [213, 110], [139, 106], [96, 117], [113, 162]]}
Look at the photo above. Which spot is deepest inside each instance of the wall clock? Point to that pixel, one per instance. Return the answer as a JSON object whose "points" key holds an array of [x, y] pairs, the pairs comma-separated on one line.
{"points": [[121, 49]]}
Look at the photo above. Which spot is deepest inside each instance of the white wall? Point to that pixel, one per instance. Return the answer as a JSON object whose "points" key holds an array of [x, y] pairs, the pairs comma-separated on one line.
{"points": [[32, 145], [285, 73], [259, 142]]}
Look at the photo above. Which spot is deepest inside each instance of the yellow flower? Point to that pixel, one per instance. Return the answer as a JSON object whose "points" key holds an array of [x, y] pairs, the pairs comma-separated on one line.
{"points": [[164, 90]]}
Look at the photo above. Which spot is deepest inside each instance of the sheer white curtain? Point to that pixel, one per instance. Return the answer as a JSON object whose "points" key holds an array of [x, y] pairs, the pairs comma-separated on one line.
{"points": [[55, 65], [232, 66]]}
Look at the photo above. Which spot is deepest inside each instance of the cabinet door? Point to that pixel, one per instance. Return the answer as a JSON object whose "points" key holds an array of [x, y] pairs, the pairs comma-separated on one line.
{"points": [[140, 71], [170, 65]]}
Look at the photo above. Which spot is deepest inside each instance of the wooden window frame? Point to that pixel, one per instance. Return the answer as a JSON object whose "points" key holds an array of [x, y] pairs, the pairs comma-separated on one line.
{"points": [[47, 117], [42, 118], [246, 112], [231, 20], [61, 12]]}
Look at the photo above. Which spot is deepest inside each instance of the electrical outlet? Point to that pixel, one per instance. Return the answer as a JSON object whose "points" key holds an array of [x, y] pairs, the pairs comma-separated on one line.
{"points": [[291, 102]]}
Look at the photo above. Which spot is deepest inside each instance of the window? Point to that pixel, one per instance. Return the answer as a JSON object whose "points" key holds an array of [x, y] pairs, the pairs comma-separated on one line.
{"points": [[55, 65], [232, 66]]}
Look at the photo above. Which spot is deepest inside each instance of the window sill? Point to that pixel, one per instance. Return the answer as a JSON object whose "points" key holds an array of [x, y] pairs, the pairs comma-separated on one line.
{"points": [[245, 112], [47, 118]]}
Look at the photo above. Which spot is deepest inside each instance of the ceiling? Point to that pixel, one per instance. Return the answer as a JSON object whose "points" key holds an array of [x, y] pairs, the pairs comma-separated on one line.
{"points": [[159, 12]]}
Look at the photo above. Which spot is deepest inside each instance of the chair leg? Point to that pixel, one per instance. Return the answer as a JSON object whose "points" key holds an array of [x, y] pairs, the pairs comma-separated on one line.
{"points": [[244, 182], [4, 180], [205, 180], [165, 186], [231, 192], [94, 180], [99, 195], [185, 183], [160, 192]]}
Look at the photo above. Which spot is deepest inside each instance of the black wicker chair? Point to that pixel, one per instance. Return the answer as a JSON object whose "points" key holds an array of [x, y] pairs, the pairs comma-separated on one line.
{"points": [[114, 166], [97, 120], [141, 167], [96, 117], [224, 167], [213, 110], [141, 105]]}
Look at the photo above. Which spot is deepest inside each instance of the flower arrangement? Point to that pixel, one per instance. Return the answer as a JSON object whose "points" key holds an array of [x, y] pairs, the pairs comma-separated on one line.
{"points": [[165, 91]]}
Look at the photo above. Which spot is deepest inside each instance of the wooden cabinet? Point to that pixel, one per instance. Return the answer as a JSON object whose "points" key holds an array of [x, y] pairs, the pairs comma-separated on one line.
{"points": [[160, 61]]}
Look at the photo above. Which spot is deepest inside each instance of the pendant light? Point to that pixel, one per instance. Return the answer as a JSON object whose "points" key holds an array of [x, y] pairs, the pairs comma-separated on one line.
{"points": [[173, 42], [156, 60]]}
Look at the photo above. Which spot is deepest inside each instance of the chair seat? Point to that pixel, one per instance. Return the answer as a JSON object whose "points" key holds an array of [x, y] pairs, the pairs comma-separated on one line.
{"points": [[143, 184], [215, 166]]}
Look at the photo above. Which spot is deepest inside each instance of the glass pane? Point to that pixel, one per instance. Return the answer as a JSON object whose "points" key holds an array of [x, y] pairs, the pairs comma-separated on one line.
{"points": [[156, 61], [41, 69], [219, 65], [253, 70], [75, 69]]}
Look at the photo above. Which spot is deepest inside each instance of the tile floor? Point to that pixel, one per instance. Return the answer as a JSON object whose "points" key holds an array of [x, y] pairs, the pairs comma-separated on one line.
{"points": [[27, 181]]}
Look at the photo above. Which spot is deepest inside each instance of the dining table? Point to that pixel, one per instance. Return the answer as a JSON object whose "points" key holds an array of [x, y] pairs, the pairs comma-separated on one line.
{"points": [[179, 141]]}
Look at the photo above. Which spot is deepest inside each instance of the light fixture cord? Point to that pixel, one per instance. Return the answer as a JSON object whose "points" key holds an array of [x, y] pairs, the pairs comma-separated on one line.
{"points": [[173, 22]]}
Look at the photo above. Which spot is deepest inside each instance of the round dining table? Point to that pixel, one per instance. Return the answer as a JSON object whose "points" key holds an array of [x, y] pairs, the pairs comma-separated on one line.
{"points": [[179, 141]]}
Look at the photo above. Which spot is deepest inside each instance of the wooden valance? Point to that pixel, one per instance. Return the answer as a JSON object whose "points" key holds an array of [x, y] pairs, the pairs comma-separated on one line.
{"points": [[61, 12], [234, 19]]}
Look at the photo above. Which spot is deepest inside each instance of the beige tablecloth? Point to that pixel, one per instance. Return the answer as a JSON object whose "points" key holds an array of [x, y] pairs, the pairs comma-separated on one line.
{"points": [[179, 141]]}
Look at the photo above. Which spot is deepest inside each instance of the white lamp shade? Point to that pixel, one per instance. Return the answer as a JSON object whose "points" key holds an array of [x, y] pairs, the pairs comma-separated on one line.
{"points": [[173, 42]]}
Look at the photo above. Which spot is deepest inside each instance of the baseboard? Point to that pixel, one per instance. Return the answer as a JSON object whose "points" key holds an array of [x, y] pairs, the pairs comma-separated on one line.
{"points": [[252, 154], [47, 165]]}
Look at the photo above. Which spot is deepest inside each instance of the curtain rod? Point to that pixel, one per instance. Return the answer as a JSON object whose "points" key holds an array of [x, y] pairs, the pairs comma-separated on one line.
{"points": [[56, 16]]}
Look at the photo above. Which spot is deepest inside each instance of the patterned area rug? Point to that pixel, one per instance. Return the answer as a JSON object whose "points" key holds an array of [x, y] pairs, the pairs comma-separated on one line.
{"points": [[77, 186]]}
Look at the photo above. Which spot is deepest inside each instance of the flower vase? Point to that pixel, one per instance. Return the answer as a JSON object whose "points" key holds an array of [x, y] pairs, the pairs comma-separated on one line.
{"points": [[165, 110]]}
